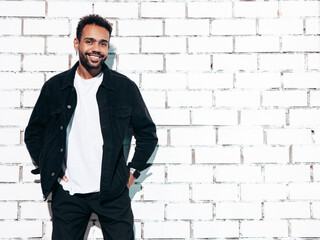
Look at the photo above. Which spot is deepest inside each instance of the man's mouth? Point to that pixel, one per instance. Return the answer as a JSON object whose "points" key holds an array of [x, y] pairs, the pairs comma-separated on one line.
{"points": [[94, 57]]}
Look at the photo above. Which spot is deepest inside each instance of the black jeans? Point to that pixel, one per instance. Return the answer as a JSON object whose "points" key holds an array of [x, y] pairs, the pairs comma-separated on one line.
{"points": [[71, 214]]}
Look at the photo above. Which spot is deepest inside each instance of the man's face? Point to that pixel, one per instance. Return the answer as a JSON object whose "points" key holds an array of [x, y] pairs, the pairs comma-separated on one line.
{"points": [[93, 46]]}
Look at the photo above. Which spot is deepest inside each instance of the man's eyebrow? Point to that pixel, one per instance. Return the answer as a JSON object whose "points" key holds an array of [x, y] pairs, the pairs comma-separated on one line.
{"points": [[93, 39]]}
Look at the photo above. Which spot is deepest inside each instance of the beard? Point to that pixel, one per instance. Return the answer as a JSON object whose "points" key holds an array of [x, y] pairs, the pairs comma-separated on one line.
{"points": [[91, 64]]}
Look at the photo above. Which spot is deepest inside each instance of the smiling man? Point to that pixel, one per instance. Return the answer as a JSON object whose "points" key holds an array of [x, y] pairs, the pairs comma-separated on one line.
{"points": [[75, 137]]}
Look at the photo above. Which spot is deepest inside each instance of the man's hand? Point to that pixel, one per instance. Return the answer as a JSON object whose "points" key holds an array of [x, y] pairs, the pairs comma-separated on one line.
{"points": [[64, 178], [131, 180]]}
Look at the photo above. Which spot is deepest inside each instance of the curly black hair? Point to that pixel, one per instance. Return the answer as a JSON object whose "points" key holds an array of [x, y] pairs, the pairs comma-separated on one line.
{"points": [[93, 19]]}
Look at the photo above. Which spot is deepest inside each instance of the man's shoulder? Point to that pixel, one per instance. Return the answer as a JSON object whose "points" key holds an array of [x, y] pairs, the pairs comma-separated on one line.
{"points": [[121, 79]]}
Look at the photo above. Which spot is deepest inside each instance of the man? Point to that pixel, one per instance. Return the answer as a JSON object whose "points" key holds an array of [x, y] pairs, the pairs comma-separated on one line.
{"points": [[75, 137]]}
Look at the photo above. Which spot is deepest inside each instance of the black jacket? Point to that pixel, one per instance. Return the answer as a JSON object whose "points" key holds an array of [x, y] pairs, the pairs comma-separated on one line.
{"points": [[121, 109]]}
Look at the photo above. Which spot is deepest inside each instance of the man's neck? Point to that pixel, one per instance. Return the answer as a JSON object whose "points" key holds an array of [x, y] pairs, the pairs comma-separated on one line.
{"points": [[87, 74]]}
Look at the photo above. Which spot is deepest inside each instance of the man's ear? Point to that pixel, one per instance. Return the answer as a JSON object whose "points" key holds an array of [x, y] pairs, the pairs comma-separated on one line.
{"points": [[76, 44]]}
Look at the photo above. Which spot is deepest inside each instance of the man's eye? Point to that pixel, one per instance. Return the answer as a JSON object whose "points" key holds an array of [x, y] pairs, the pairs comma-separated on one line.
{"points": [[89, 41], [104, 44]]}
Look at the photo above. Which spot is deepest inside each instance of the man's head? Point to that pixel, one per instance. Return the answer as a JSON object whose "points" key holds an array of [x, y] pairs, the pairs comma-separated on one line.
{"points": [[92, 42]]}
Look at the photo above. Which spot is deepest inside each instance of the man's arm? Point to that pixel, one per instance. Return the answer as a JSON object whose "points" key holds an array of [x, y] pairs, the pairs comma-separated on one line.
{"points": [[34, 132], [144, 131]]}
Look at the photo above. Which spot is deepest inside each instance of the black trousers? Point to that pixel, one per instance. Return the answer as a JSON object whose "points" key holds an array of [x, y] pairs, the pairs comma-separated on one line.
{"points": [[71, 214]]}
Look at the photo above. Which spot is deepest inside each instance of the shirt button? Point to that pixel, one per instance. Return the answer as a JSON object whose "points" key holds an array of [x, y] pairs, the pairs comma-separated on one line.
{"points": [[69, 106], [52, 174], [61, 149], [61, 127]]}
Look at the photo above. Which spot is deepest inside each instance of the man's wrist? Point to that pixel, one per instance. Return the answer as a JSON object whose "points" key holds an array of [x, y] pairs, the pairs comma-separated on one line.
{"points": [[135, 173]]}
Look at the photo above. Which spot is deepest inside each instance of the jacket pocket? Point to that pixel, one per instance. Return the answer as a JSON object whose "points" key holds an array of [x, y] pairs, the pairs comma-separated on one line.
{"points": [[121, 112]]}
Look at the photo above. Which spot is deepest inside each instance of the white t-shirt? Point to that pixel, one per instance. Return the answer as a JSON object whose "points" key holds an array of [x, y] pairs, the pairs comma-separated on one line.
{"points": [[84, 140]]}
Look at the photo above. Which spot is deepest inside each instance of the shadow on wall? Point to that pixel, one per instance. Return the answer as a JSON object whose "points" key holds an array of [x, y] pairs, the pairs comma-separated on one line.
{"points": [[136, 187]]}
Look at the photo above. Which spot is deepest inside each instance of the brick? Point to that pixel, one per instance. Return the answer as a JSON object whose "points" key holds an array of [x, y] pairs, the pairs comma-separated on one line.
{"points": [[46, 27], [9, 174], [189, 173], [210, 80], [32, 210], [300, 9], [189, 211], [189, 98], [8, 210], [304, 117], [287, 173], [27, 176], [167, 192], [289, 136], [305, 228], [162, 10], [156, 174], [314, 98], [284, 98], [116, 9], [21, 80], [257, 44], [10, 62], [281, 62], [163, 45], [233, 27], [140, 62], [276, 210], [214, 117], [162, 136], [280, 26], [304, 191], [210, 44], [263, 154], [167, 229], [148, 211], [193, 136], [312, 26], [315, 134], [186, 62], [30, 98], [94, 230], [313, 61], [215, 229], [9, 136], [10, 99], [234, 62], [173, 155], [301, 43], [299, 154], [189, 27], [21, 229], [256, 9], [209, 9], [263, 117], [140, 27], [261, 80], [154, 98], [243, 135], [238, 174], [60, 45], [315, 208], [10, 26], [316, 172], [263, 191], [237, 98], [124, 45], [217, 155], [137, 230], [225, 210], [164, 81], [21, 45], [170, 116], [22, 9], [45, 63], [20, 192], [13, 154], [276, 228], [70, 9], [216, 192], [301, 80]]}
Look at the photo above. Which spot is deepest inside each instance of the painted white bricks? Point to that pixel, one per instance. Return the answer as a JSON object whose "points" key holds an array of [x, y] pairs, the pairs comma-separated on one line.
{"points": [[233, 87]]}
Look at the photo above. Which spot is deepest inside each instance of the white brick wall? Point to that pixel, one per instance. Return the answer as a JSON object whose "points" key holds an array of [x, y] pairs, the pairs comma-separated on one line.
{"points": [[233, 87]]}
